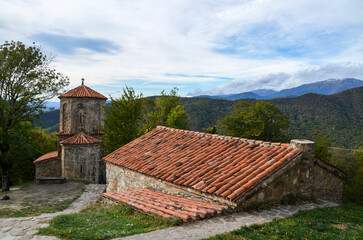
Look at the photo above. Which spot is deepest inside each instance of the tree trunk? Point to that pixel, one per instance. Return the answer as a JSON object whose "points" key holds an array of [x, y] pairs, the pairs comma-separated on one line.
{"points": [[5, 177], [5, 166]]}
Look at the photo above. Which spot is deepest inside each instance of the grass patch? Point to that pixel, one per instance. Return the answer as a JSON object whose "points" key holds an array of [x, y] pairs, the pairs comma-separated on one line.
{"points": [[343, 222], [35, 208], [101, 222]]}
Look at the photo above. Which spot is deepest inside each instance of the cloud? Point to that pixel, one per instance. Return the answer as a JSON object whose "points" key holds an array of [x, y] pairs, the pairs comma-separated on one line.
{"points": [[193, 44], [279, 81], [69, 44]]}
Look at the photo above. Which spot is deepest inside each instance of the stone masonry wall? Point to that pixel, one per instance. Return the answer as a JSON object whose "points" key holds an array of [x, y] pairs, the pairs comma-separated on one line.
{"points": [[48, 168], [327, 185], [83, 162], [287, 183], [306, 178], [119, 179], [315, 181], [81, 114]]}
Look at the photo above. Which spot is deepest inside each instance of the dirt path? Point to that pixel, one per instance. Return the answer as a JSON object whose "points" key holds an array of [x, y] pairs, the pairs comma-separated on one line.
{"points": [[40, 196], [23, 228]]}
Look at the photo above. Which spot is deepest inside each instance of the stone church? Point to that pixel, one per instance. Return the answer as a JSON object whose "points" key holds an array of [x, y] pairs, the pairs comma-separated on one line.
{"points": [[203, 171], [79, 154]]}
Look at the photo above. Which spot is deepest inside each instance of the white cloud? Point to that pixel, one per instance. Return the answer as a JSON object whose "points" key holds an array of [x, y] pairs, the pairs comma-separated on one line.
{"points": [[279, 81], [158, 38]]}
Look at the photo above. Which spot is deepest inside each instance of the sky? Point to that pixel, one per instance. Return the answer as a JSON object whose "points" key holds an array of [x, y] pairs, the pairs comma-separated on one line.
{"points": [[200, 47]]}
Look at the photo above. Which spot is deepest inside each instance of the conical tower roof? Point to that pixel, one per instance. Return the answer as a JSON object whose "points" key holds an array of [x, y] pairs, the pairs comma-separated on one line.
{"points": [[82, 91]]}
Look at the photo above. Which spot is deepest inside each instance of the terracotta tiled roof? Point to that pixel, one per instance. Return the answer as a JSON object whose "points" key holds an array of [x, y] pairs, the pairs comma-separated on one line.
{"points": [[80, 139], [165, 205], [46, 156], [228, 167], [82, 91], [64, 133]]}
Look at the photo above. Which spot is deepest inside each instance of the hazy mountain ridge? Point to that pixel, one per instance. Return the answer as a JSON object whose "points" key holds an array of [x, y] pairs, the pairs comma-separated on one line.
{"points": [[340, 116], [326, 87]]}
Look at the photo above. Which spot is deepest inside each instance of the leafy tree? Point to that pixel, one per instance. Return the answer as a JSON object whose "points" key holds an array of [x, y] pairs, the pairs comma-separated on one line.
{"points": [[212, 130], [130, 116], [177, 118], [31, 143], [322, 144], [122, 120], [148, 116], [355, 190], [168, 111], [26, 81], [260, 120]]}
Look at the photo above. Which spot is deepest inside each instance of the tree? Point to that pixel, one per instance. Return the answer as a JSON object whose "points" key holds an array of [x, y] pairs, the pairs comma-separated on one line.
{"points": [[260, 120], [211, 130], [26, 82], [322, 144], [122, 120], [130, 116], [31, 143], [177, 118], [168, 111]]}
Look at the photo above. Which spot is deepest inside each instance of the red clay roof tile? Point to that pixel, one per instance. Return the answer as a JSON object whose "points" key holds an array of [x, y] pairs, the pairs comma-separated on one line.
{"points": [[166, 205], [81, 139], [46, 156], [64, 133], [213, 164], [81, 92]]}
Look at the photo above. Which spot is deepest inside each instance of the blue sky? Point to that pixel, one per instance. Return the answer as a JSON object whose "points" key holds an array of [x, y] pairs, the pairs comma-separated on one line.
{"points": [[201, 47]]}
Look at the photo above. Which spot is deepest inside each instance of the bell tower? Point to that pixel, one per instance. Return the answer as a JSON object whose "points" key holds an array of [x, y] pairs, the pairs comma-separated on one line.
{"points": [[81, 110]]}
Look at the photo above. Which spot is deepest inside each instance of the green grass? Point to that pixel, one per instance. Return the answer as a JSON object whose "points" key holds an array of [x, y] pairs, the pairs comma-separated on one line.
{"points": [[100, 222], [343, 222]]}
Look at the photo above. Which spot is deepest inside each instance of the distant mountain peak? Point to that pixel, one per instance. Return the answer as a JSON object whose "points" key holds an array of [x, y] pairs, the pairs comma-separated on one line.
{"points": [[326, 87]]}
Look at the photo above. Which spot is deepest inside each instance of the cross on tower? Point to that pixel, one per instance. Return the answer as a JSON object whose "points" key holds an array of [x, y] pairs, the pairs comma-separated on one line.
{"points": [[82, 81]]}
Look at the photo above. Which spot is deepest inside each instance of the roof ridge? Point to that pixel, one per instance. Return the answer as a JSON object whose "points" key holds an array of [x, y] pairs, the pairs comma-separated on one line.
{"points": [[81, 138], [85, 88], [82, 91], [224, 137]]}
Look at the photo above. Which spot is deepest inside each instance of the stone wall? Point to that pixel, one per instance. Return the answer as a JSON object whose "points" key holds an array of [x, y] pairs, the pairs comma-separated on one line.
{"points": [[327, 185], [306, 178], [119, 179], [318, 179], [81, 114], [48, 168], [83, 162], [285, 184]]}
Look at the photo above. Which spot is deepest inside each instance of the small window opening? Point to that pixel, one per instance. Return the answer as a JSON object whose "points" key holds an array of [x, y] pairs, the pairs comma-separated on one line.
{"points": [[80, 169], [80, 118]]}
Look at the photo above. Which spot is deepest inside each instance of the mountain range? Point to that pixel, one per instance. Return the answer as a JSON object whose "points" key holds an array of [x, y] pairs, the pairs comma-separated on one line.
{"points": [[327, 87], [339, 116]]}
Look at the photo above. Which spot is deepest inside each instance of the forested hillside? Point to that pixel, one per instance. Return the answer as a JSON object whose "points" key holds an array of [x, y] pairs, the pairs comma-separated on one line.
{"points": [[340, 116]]}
